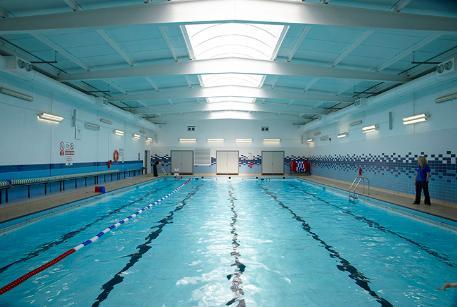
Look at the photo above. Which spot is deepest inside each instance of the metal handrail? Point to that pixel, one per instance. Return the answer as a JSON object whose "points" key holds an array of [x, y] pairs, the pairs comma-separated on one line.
{"points": [[355, 184]]}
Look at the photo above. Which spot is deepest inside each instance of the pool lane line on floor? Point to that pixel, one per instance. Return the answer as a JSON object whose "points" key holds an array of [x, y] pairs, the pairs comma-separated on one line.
{"points": [[46, 246], [50, 263], [142, 249], [239, 267], [359, 278], [443, 258]]}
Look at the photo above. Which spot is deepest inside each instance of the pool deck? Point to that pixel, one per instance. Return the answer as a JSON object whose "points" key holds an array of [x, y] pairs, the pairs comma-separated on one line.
{"points": [[438, 208], [18, 209], [21, 208]]}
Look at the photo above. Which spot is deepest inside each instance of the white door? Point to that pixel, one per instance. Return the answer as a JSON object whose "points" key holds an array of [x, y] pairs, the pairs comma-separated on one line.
{"points": [[273, 162], [182, 161], [227, 162]]}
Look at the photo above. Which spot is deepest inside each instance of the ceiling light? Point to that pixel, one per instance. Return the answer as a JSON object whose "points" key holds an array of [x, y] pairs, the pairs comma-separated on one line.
{"points": [[272, 141], [243, 140], [355, 123], [50, 117], [415, 119], [118, 132], [148, 139], [187, 141], [370, 128], [136, 136], [215, 140], [342, 135], [309, 140], [15, 94]]}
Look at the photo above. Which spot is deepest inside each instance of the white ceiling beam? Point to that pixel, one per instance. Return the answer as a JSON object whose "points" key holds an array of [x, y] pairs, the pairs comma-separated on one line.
{"points": [[186, 107], [400, 5], [167, 40], [215, 11], [115, 46], [73, 5], [64, 53], [408, 51], [298, 43], [230, 91], [351, 48], [153, 84], [233, 65]]}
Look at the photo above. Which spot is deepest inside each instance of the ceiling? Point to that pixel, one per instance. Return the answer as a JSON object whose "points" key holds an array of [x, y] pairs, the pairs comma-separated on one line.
{"points": [[137, 54]]}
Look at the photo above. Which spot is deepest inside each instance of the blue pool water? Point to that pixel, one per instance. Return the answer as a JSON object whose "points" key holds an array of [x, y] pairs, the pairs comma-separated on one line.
{"points": [[232, 242]]}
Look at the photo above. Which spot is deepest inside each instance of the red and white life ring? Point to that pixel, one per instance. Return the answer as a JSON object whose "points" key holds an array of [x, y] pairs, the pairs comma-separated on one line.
{"points": [[116, 155]]}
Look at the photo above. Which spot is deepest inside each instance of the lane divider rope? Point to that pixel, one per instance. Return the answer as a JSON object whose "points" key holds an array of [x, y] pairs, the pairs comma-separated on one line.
{"points": [[50, 263]]}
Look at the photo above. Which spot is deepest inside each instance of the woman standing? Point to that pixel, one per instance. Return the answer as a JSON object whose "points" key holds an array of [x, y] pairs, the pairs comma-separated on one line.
{"points": [[422, 178]]}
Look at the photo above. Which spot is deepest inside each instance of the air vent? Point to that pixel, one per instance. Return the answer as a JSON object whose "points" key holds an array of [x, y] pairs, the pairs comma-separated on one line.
{"points": [[190, 128], [265, 129], [325, 138], [316, 133], [355, 123]]}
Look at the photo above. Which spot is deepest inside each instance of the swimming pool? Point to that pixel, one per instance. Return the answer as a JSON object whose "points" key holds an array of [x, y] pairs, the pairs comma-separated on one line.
{"points": [[232, 242]]}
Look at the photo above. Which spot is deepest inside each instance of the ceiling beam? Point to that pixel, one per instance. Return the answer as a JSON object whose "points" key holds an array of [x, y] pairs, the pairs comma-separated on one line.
{"points": [[215, 11], [231, 91], [232, 65], [166, 109], [115, 46]]}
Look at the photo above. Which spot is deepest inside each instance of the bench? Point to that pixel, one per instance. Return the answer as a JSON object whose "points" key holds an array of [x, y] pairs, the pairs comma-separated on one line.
{"points": [[5, 185]]}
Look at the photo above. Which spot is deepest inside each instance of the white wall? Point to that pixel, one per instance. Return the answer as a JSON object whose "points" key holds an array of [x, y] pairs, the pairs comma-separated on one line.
{"points": [[26, 140]]}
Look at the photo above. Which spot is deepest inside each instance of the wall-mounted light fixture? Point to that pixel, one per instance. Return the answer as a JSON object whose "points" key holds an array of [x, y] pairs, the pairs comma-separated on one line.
{"points": [[15, 94], [106, 121], [370, 128], [149, 139], [342, 135], [118, 132], [50, 117], [271, 141], [187, 141], [415, 119], [215, 140], [91, 126], [309, 140], [136, 136], [243, 140]]}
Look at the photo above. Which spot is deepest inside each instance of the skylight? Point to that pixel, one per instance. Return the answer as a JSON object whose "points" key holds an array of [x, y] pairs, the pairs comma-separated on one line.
{"points": [[249, 41]]}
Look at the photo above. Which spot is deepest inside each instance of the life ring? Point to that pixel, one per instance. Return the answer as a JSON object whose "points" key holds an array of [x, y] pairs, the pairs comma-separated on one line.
{"points": [[116, 155]]}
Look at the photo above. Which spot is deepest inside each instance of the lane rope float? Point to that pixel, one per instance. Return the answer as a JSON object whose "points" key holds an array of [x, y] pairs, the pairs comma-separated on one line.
{"points": [[50, 263]]}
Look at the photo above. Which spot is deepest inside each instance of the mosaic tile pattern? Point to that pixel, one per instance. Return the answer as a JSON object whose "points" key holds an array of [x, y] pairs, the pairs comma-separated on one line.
{"points": [[392, 171]]}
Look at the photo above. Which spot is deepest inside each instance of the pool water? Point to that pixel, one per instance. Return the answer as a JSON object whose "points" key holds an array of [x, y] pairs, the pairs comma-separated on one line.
{"points": [[238, 242]]}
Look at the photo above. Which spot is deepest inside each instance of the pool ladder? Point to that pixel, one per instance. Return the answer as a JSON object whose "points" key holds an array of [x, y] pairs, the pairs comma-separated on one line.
{"points": [[353, 195]]}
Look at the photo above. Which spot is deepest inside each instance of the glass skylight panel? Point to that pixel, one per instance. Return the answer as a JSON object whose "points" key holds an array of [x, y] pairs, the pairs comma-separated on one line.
{"points": [[231, 106], [250, 41]]}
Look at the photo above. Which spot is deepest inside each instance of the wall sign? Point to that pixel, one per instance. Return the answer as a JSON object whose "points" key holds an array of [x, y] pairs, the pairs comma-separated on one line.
{"points": [[67, 151]]}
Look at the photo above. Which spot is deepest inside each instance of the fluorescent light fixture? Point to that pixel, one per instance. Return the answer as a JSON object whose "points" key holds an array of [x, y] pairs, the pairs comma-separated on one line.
{"points": [[118, 132], [445, 98], [50, 117], [136, 136], [233, 40], [370, 128], [272, 141], [106, 121], [215, 140], [355, 123], [342, 135], [15, 94], [91, 126], [148, 139], [309, 140], [243, 140], [187, 141], [230, 115], [415, 119]]}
